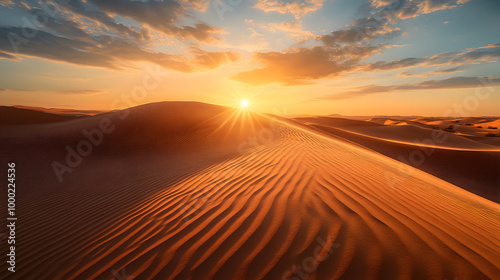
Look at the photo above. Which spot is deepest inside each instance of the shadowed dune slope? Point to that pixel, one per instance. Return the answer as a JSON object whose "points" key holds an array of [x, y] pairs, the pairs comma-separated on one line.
{"points": [[279, 203]]}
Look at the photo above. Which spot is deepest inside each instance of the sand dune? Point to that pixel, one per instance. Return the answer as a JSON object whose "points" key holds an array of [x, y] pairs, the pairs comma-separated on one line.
{"points": [[418, 136], [338, 122], [495, 123], [196, 191], [13, 116], [475, 171], [402, 132], [63, 112]]}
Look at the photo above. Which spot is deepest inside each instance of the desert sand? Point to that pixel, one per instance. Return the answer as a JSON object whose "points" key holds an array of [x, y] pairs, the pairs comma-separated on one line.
{"points": [[185, 190], [471, 162]]}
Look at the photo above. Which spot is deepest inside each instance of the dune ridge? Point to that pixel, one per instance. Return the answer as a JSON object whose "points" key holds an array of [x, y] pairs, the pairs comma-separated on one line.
{"points": [[256, 213]]}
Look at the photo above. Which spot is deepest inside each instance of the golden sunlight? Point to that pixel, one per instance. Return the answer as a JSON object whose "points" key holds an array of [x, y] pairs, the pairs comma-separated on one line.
{"points": [[244, 103]]}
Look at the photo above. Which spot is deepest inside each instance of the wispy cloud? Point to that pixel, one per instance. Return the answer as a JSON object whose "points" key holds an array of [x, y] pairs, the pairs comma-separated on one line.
{"points": [[359, 30], [410, 9], [297, 8], [64, 91], [82, 91], [450, 83], [489, 53], [8, 56], [293, 29], [447, 70]]}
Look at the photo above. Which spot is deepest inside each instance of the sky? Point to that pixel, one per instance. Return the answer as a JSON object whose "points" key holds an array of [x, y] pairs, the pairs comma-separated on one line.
{"points": [[319, 57]]}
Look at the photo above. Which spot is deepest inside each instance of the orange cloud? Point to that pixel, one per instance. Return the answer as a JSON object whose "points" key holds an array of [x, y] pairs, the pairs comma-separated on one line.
{"points": [[293, 29], [296, 67], [8, 56], [297, 8]]}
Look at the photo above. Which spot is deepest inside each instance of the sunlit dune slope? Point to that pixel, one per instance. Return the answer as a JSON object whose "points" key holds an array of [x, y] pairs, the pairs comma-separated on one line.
{"points": [[196, 191], [495, 123]]}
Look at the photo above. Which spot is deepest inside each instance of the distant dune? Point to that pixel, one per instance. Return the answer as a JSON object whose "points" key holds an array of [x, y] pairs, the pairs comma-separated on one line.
{"points": [[63, 112], [12, 116], [495, 123], [185, 190]]}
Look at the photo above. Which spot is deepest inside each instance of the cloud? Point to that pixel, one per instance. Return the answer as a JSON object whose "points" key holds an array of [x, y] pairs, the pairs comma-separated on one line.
{"points": [[203, 60], [92, 13], [442, 71], [70, 91], [164, 16], [344, 49], [293, 29], [447, 70], [8, 56], [160, 15], [16, 90], [82, 91], [87, 33], [197, 5], [489, 53], [298, 8], [292, 68], [49, 46], [359, 30], [6, 2], [395, 64], [303, 65], [404, 9], [409, 74], [449, 83], [106, 51], [341, 51], [300, 66]]}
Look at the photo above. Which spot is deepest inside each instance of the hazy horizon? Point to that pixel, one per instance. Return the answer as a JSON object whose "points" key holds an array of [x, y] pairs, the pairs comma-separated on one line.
{"points": [[92, 111]]}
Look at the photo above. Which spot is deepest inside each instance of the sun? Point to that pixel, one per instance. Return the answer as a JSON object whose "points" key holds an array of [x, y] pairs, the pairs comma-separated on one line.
{"points": [[244, 103]]}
